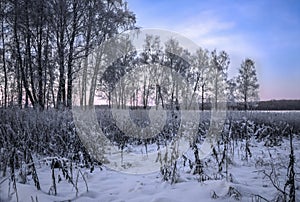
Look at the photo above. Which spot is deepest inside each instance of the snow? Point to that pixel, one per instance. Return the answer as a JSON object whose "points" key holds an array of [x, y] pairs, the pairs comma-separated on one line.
{"points": [[107, 185], [246, 178]]}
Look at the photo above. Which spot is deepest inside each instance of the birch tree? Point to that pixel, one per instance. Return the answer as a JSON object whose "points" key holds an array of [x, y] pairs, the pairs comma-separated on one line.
{"points": [[218, 76], [201, 73], [247, 83]]}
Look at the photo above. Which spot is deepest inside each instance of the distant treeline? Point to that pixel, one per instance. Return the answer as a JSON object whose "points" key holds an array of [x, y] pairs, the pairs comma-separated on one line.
{"points": [[261, 105], [279, 105], [268, 105]]}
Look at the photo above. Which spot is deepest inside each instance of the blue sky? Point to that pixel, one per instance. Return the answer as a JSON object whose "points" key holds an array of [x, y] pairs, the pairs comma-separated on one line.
{"points": [[266, 31]]}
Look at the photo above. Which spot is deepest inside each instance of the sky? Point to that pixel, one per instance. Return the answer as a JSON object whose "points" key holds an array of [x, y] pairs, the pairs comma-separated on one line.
{"points": [[266, 31]]}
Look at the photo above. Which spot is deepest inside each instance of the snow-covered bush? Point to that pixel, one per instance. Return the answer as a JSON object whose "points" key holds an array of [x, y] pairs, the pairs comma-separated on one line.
{"points": [[43, 133]]}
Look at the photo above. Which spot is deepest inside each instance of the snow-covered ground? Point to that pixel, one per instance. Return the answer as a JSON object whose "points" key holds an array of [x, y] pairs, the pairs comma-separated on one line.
{"points": [[107, 185], [246, 179]]}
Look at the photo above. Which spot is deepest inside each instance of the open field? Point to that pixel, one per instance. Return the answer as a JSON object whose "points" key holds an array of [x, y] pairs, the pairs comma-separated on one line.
{"points": [[251, 160]]}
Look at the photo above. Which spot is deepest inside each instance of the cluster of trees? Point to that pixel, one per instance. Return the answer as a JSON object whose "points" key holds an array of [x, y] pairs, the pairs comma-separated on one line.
{"points": [[279, 105], [166, 73], [46, 61], [44, 45]]}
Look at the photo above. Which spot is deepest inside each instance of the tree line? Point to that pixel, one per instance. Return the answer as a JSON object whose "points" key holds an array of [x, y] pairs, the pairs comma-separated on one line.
{"points": [[44, 43], [153, 75], [46, 51]]}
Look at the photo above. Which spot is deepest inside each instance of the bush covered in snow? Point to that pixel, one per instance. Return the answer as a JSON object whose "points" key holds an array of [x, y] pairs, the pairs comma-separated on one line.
{"points": [[257, 141]]}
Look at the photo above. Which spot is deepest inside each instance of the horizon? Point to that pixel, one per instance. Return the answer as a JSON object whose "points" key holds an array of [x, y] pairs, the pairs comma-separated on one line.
{"points": [[269, 38]]}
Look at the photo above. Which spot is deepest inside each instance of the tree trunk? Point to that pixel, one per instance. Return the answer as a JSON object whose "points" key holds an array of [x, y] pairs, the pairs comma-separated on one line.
{"points": [[19, 60], [83, 96], [28, 56], [61, 93], [202, 97], [46, 67], [71, 54], [39, 60], [4, 63], [94, 79]]}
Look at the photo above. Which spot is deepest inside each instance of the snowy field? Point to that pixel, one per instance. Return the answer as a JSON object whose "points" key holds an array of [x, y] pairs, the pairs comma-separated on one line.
{"points": [[246, 181], [251, 162]]}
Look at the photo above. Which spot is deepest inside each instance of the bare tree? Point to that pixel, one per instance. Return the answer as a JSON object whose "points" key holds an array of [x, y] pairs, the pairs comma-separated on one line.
{"points": [[232, 92], [201, 73], [247, 83], [149, 58], [104, 20], [3, 5], [177, 59], [218, 76]]}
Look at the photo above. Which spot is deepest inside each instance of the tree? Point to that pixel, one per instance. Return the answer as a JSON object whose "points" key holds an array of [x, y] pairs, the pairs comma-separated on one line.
{"points": [[111, 18], [43, 44], [232, 92], [200, 73], [177, 59], [150, 59], [247, 84], [218, 77], [111, 84], [3, 51]]}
